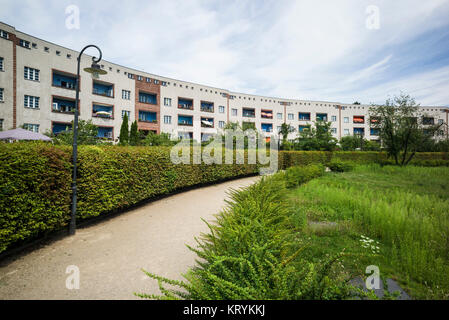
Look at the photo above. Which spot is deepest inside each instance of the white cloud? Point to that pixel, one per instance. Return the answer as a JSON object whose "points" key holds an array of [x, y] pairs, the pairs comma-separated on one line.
{"points": [[304, 49]]}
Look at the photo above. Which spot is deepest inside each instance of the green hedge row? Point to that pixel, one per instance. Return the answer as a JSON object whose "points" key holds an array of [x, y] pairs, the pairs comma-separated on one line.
{"points": [[35, 179]]}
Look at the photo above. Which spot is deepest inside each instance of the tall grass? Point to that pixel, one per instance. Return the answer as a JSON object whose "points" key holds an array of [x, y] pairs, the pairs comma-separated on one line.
{"points": [[406, 208]]}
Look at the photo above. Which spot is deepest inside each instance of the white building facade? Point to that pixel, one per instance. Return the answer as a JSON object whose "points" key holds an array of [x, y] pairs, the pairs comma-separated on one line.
{"points": [[37, 91]]}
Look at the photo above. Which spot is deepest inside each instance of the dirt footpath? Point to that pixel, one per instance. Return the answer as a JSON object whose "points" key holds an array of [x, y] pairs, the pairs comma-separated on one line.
{"points": [[110, 254]]}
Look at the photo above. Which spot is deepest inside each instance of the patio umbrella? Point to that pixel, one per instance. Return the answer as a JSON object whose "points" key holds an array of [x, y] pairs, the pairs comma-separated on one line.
{"points": [[22, 134]]}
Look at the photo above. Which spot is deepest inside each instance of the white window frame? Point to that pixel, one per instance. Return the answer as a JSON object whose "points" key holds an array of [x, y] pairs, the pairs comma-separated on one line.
{"points": [[346, 132], [126, 94], [31, 102], [333, 118], [291, 116], [35, 127], [167, 119], [1, 64], [167, 102], [346, 119], [280, 116], [2, 90], [31, 74], [127, 112], [221, 124], [221, 109], [234, 112]]}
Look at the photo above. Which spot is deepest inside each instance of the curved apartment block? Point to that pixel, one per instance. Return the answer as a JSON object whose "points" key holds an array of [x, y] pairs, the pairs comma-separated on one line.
{"points": [[37, 91]]}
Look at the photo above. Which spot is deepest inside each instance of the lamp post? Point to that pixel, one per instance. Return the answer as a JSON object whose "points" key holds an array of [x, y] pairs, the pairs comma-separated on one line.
{"points": [[95, 70]]}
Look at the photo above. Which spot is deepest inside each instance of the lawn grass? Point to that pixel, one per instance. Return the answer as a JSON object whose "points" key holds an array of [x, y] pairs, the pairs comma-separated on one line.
{"points": [[405, 209]]}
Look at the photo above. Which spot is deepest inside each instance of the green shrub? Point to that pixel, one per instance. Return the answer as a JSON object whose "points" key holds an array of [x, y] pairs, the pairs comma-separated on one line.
{"points": [[251, 253], [341, 166], [296, 176]]}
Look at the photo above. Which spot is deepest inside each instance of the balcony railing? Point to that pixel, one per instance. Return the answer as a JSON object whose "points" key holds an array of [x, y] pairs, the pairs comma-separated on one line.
{"points": [[185, 123]]}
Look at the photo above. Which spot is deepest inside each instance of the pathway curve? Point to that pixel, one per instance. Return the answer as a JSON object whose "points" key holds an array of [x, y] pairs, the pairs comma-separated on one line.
{"points": [[111, 253]]}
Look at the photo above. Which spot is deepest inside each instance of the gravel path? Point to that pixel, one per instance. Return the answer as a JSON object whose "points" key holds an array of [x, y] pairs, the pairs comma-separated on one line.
{"points": [[110, 254]]}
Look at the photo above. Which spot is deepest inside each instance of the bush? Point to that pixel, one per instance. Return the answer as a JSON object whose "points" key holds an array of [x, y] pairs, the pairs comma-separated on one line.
{"points": [[296, 176], [35, 191], [251, 253], [341, 166]]}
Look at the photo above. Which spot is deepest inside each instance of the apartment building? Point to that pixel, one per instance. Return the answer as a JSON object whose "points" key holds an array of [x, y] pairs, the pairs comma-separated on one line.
{"points": [[37, 91]]}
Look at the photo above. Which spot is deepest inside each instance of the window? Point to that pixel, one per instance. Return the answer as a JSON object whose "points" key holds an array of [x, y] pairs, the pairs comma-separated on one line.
{"points": [[305, 116], [4, 34], [346, 132], [128, 113], [156, 81], [334, 130], [147, 98], [139, 78], [346, 120], [359, 119], [291, 116], [266, 114], [130, 75], [148, 80], [24, 43], [63, 105], [147, 116], [440, 121], [167, 119], [1, 64], [69, 56], [47, 49], [279, 116], [279, 129], [207, 106], [334, 118], [1, 94], [31, 74], [185, 120], [221, 124], [248, 112], [167, 102], [221, 109], [31, 102], [103, 89], [234, 112], [102, 111], [321, 116], [207, 122], [63, 80], [1, 124], [126, 94], [31, 127], [184, 103]]}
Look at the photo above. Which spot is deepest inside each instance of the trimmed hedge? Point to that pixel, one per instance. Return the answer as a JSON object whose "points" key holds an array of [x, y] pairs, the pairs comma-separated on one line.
{"points": [[35, 179]]}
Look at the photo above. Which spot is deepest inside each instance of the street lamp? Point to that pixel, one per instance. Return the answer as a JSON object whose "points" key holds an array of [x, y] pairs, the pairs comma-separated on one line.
{"points": [[95, 70]]}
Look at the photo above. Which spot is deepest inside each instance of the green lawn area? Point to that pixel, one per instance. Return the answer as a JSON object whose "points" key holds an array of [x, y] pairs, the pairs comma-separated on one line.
{"points": [[405, 209]]}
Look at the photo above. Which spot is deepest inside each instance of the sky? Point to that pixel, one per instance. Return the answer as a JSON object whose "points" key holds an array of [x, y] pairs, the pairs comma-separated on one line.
{"points": [[327, 50]]}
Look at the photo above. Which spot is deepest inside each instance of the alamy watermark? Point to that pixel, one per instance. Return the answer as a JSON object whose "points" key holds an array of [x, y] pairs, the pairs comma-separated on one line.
{"points": [[72, 20], [256, 150], [72, 282], [372, 21]]}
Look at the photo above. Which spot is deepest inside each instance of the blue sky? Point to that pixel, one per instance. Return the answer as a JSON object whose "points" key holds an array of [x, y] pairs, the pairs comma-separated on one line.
{"points": [[320, 50]]}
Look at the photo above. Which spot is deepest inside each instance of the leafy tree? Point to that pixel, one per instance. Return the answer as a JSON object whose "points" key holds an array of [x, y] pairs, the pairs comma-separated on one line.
{"points": [[401, 127], [357, 142], [87, 134], [134, 135], [286, 129], [356, 103], [163, 139], [318, 138], [124, 131]]}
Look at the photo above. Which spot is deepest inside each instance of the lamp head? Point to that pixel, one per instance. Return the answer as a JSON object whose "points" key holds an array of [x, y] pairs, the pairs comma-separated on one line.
{"points": [[95, 70]]}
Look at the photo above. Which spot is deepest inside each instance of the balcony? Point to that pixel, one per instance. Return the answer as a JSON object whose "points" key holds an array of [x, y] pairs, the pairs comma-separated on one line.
{"points": [[58, 127], [359, 131], [148, 98], [358, 119], [105, 133], [185, 121], [428, 121], [321, 116], [63, 105], [249, 113], [185, 135], [147, 116], [374, 132], [101, 111], [185, 103], [302, 128], [266, 114], [207, 106], [267, 127], [304, 116], [207, 122], [63, 80], [374, 120], [103, 89]]}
